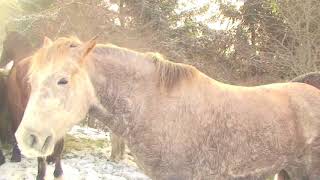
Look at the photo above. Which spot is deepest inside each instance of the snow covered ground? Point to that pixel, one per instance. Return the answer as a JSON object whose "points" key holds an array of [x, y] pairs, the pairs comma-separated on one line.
{"points": [[85, 158]]}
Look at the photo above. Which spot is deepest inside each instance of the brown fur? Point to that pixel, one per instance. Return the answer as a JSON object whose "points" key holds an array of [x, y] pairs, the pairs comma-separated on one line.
{"points": [[18, 91], [3, 97], [3, 110]]}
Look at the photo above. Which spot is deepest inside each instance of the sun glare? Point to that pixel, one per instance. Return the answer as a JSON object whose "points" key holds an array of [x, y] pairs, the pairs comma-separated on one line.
{"points": [[217, 24]]}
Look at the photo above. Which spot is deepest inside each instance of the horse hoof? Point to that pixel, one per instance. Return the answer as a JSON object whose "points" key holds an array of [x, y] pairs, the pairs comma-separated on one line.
{"points": [[16, 154], [115, 160], [59, 178], [57, 174], [39, 178], [112, 159], [16, 159]]}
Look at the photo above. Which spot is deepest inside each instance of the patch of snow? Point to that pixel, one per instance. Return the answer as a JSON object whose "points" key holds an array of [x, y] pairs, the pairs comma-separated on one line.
{"points": [[89, 133], [80, 165]]}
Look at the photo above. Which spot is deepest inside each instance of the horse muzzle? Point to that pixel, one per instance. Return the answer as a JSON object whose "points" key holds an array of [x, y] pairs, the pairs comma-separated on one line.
{"points": [[33, 143]]}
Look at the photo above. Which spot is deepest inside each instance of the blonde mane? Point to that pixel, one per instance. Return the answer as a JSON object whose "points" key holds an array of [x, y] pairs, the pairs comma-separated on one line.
{"points": [[171, 73], [43, 55]]}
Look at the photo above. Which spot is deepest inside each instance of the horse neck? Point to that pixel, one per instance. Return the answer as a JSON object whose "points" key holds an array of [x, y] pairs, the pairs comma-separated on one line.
{"points": [[117, 87]]}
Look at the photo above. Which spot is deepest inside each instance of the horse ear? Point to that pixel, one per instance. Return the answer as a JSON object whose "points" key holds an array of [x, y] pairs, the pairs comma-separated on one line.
{"points": [[88, 47], [4, 72], [46, 42]]}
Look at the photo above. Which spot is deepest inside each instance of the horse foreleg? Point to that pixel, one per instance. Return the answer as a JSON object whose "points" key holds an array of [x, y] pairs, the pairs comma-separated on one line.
{"points": [[41, 168], [58, 172], [2, 159], [58, 148], [16, 153], [15, 122], [118, 148]]}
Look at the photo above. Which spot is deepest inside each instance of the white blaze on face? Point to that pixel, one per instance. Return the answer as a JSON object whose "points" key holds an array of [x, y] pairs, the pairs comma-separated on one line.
{"points": [[34, 130]]}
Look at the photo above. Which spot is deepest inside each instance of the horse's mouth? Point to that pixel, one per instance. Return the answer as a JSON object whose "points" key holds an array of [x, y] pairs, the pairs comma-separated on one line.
{"points": [[30, 145], [32, 152]]}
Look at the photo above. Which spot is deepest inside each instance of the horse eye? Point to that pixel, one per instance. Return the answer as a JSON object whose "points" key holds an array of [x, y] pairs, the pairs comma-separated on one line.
{"points": [[73, 45], [62, 81]]}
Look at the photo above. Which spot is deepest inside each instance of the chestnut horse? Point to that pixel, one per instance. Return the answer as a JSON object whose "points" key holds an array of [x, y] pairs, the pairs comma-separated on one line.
{"points": [[178, 122]]}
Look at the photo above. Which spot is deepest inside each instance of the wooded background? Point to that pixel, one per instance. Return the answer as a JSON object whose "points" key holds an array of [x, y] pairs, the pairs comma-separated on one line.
{"points": [[260, 41]]}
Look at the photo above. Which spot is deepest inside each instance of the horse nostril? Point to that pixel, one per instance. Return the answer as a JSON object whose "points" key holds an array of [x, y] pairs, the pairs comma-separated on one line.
{"points": [[33, 140], [46, 143]]}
